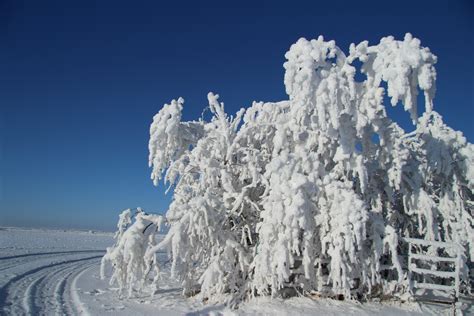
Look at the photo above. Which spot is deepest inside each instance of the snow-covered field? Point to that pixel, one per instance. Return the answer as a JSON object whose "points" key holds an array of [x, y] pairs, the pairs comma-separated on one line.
{"points": [[49, 272]]}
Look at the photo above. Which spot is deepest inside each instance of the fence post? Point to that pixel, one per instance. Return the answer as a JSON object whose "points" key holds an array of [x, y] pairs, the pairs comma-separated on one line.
{"points": [[410, 282]]}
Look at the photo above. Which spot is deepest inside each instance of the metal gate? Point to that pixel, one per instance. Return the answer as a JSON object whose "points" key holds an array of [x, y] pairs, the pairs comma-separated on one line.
{"points": [[452, 254]]}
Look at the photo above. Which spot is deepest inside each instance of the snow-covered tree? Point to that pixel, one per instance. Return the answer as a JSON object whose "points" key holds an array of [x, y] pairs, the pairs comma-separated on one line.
{"points": [[315, 192]]}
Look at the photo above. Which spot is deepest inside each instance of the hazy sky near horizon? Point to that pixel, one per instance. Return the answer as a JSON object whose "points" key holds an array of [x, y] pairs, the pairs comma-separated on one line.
{"points": [[80, 82]]}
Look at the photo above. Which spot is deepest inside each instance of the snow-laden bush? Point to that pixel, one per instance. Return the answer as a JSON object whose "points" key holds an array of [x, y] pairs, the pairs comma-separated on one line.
{"points": [[315, 192], [135, 235]]}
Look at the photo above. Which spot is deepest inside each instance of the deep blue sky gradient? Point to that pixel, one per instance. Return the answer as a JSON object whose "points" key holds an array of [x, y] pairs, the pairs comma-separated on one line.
{"points": [[81, 80]]}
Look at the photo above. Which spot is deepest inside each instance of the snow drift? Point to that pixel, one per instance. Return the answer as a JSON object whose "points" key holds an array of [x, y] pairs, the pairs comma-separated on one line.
{"points": [[311, 194]]}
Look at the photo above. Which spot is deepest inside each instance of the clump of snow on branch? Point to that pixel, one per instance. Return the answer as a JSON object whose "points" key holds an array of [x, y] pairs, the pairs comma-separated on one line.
{"points": [[314, 193], [404, 66]]}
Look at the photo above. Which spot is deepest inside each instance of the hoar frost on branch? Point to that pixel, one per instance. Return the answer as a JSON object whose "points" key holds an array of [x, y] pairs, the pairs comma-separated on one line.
{"points": [[301, 194]]}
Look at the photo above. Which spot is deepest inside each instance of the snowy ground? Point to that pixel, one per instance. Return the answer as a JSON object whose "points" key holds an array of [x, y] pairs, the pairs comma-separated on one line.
{"points": [[46, 272]]}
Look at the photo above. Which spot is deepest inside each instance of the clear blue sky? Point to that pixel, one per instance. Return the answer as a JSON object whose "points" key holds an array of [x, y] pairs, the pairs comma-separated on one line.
{"points": [[81, 80]]}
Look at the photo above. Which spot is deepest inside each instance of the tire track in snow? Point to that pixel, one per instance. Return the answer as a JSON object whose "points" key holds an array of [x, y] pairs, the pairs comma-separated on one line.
{"points": [[38, 297], [36, 290], [65, 293], [80, 307], [61, 294], [48, 253], [12, 262]]}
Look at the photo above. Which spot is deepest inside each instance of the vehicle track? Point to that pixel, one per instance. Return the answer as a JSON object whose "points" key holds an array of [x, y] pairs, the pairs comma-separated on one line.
{"points": [[12, 262], [47, 288]]}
